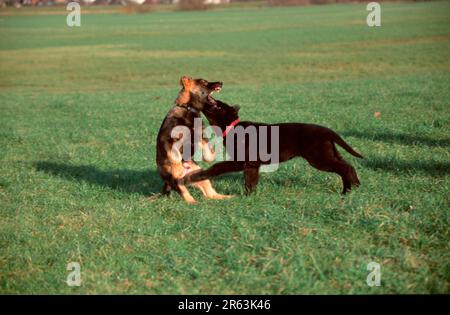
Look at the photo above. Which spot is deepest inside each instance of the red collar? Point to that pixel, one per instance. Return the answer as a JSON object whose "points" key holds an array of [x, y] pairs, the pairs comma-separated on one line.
{"points": [[230, 126]]}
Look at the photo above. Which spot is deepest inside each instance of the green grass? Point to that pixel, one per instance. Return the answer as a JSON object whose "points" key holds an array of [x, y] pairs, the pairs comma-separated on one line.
{"points": [[81, 108]]}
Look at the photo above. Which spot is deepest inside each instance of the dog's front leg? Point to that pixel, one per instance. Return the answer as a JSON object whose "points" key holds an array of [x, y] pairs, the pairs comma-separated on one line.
{"points": [[215, 170], [251, 175]]}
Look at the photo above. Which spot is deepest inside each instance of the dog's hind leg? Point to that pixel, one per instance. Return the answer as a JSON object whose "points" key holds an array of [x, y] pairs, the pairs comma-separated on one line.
{"points": [[353, 177], [182, 190], [347, 173], [205, 186], [166, 189], [329, 160], [208, 191]]}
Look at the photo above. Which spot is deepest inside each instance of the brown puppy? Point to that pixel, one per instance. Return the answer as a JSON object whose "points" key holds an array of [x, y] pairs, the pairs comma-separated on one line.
{"points": [[314, 143], [194, 94]]}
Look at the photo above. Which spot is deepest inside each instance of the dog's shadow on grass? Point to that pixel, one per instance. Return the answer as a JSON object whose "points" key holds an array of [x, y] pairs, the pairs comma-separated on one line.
{"points": [[148, 182], [394, 165], [145, 182], [398, 138], [429, 168]]}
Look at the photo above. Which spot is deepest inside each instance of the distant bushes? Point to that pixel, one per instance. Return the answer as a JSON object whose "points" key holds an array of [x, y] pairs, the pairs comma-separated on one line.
{"points": [[288, 2], [187, 5], [131, 8], [306, 2]]}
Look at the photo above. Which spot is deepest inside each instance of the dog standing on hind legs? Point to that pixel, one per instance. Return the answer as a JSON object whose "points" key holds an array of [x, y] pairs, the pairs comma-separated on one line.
{"points": [[194, 94]]}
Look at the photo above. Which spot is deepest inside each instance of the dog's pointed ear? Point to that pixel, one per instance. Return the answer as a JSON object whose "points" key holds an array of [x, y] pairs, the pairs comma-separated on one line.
{"points": [[237, 108], [185, 81], [184, 96]]}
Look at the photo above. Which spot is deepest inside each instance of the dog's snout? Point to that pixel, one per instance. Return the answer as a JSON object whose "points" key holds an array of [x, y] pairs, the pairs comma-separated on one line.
{"points": [[215, 85]]}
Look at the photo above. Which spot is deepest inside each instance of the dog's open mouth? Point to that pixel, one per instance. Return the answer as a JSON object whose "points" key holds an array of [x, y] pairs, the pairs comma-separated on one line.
{"points": [[216, 87]]}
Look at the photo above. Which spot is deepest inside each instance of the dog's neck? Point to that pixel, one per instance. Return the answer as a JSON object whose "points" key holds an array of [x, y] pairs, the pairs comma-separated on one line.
{"points": [[230, 127], [225, 124], [189, 108], [222, 123]]}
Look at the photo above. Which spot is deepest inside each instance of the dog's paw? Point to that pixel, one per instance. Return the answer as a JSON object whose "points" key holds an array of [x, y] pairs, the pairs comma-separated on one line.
{"points": [[222, 197]]}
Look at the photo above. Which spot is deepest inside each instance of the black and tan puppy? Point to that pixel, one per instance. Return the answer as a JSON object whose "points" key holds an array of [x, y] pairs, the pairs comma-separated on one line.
{"points": [[194, 94], [313, 142]]}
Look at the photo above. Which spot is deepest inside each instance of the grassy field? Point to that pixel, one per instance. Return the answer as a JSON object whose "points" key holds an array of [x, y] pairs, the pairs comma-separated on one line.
{"points": [[81, 108]]}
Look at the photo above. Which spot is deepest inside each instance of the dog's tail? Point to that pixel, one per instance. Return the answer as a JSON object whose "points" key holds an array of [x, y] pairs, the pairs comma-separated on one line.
{"points": [[337, 139]]}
